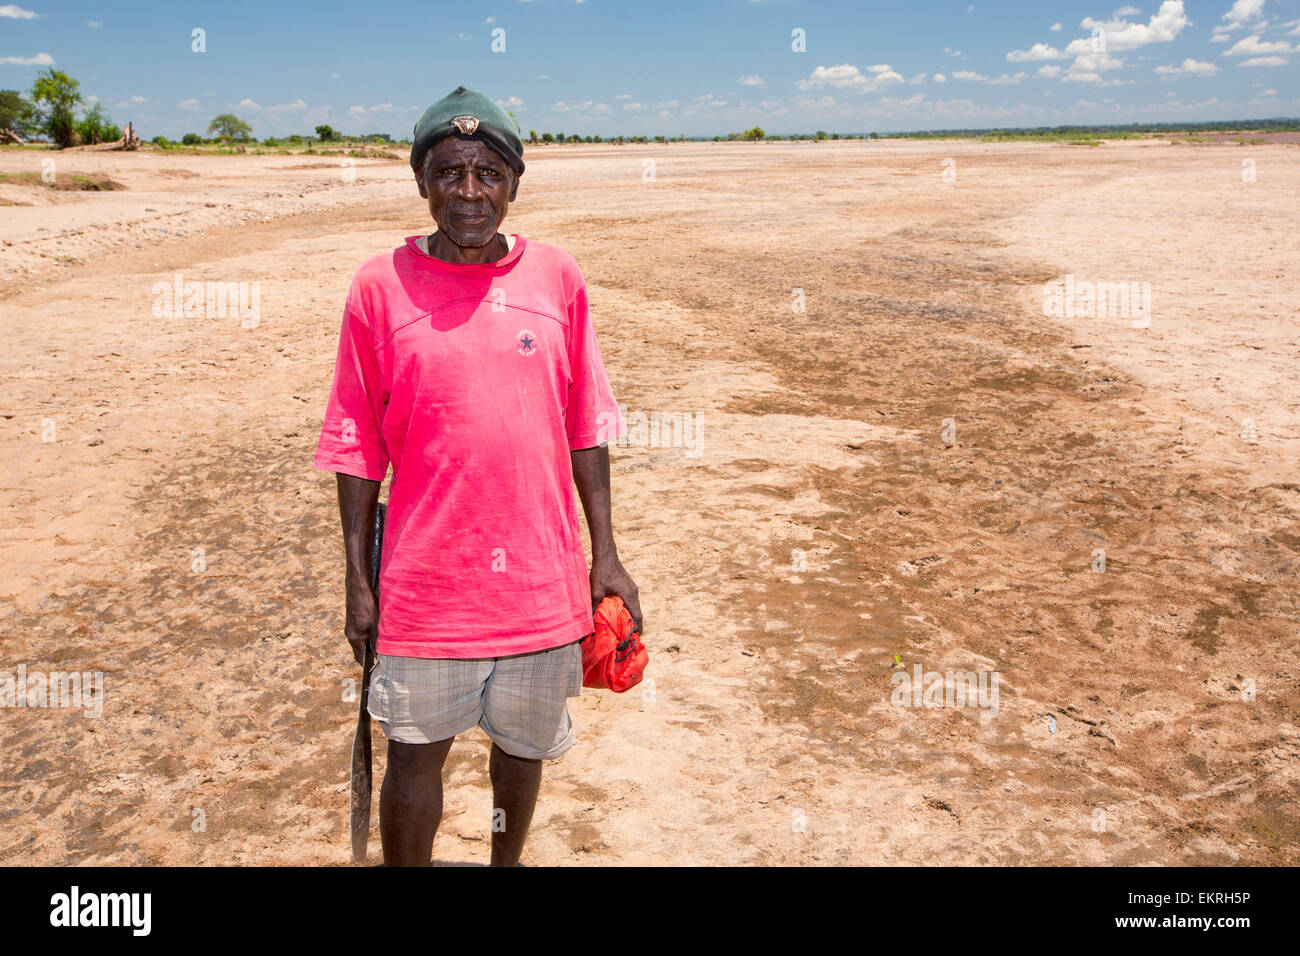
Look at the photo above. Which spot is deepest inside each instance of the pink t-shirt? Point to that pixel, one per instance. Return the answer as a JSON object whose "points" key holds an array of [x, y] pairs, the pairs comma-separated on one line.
{"points": [[475, 381]]}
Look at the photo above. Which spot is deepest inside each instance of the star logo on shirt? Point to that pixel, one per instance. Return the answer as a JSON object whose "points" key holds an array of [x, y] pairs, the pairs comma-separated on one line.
{"points": [[527, 342]]}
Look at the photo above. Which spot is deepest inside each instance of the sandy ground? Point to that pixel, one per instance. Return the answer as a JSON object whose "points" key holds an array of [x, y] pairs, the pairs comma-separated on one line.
{"points": [[921, 464]]}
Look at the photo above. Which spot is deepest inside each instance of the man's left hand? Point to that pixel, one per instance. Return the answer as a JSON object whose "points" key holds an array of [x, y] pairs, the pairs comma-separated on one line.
{"points": [[608, 577]]}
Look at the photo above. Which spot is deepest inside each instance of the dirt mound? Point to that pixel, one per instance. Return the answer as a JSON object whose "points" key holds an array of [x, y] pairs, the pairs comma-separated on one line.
{"points": [[78, 182]]}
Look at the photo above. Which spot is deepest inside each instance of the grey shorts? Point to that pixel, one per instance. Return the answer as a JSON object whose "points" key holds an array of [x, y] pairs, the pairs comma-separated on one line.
{"points": [[519, 701]]}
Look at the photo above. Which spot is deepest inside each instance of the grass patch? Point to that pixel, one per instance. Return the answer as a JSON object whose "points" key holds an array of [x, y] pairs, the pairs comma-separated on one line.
{"points": [[94, 182]]}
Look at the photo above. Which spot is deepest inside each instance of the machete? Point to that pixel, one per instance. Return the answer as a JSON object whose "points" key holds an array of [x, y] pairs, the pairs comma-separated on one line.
{"points": [[359, 796]]}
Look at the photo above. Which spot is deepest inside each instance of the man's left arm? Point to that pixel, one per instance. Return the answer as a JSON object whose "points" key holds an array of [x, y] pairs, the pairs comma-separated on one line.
{"points": [[591, 475]]}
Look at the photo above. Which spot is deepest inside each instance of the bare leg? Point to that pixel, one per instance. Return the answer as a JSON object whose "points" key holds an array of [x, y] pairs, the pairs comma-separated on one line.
{"points": [[410, 801], [515, 783]]}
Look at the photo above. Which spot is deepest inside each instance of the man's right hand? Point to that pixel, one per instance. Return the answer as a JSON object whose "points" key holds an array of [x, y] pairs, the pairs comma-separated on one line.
{"points": [[362, 625], [358, 499]]}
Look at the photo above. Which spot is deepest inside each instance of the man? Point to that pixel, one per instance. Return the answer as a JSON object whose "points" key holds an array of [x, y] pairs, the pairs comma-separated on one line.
{"points": [[468, 360]]}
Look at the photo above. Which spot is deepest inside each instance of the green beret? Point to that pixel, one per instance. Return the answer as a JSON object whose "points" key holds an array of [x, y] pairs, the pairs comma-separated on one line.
{"points": [[470, 113]]}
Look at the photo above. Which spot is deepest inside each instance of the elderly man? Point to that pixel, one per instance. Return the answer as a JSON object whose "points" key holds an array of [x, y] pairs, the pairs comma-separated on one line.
{"points": [[468, 361]]}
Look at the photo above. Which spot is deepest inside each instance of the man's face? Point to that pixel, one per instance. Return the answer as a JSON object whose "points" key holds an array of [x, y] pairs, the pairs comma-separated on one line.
{"points": [[469, 188]]}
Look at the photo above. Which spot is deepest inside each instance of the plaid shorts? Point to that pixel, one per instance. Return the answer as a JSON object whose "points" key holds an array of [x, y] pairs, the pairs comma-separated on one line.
{"points": [[519, 701]]}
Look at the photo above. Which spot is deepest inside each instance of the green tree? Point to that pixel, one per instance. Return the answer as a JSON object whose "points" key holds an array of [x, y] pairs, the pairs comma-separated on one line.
{"points": [[17, 115], [532, 136], [754, 132], [548, 138], [326, 134], [56, 95], [516, 119], [95, 127], [191, 139], [821, 134], [230, 126]]}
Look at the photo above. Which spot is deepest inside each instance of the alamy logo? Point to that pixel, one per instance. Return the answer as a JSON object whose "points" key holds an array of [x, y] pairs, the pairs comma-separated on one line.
{"points": [[102, 909], [208, 300], [72, 689], [651, 430], [1090, 300], [945, 689]]}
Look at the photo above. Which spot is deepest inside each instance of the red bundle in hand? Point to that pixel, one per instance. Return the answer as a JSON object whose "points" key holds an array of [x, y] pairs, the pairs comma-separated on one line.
{"points": [[613, 657]]}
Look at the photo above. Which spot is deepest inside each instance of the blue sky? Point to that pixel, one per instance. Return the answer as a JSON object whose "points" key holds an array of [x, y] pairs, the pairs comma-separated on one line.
{"points": [[669, 66]]}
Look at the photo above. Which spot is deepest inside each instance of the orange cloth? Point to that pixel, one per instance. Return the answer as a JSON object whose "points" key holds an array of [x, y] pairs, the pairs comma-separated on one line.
{"points": [[613, 657]]}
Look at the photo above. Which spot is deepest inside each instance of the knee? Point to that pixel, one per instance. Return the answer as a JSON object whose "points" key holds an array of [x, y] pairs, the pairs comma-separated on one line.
{"points": [[416, 767]]}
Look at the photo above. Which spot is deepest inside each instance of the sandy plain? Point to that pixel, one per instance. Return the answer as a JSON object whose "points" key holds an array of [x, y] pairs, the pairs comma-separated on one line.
{"points": [[920, 467]]}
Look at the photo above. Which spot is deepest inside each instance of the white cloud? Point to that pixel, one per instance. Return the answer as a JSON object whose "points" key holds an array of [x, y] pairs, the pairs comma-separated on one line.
{"points": [[249, 104], [667, 105], [919, 78], [359, 111], [1118, 33], [40, 59], [1048, 70], [1055, 28], [1095, 63], [296, 105], [849, 77], [510, 103], [1189, 67], [1242, 12], [1269, 93], [188, 105], [1164, 25], [940, 78], [1039, 51], [633, 106], [1254, 46], [94, 24], [622, 96], [750, 81], [138, 99], [17, 13], [1265, 61], [1004, 80]]}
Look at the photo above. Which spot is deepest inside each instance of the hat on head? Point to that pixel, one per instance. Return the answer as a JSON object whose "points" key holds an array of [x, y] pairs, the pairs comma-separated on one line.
{"points": [[470, 113]]}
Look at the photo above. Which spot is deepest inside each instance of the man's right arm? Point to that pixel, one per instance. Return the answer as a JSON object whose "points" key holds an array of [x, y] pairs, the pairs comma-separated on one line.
{"points": [[358, 499]]}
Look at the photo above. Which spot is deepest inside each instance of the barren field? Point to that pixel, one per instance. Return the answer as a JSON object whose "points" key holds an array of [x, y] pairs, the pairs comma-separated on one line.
{"points": [[920, 468]]}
